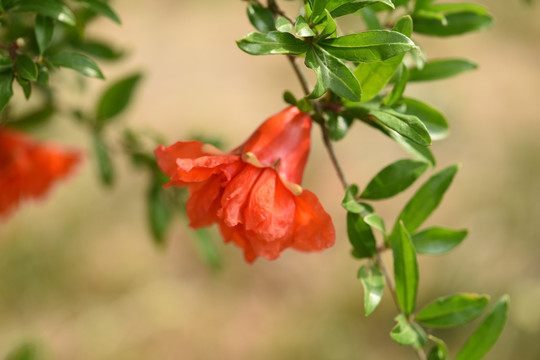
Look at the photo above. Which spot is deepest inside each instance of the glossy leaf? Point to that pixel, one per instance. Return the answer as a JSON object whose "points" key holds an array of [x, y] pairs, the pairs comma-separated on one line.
{"points": [[6, 64], [375, 45], [437, 241], [408, 126], [158, 213], [271, 43], [373, 76], [345, 7], [405, 270], [433, 120], [408, 334], [51, 8], [420, 152], [373, 283], [332, 74], [329, 29], [284, 25], [441, 69], [376, 222], [26, 87], [260, 17], [116, 98], [105, 165], [439, 351], [349, 202], [26, 67], [6, 89], [453, 310], [101, 7], [426, 199], [360, 236], [317, 10], [402, 76], [487, 333], [98, 49], [302, 29], [338, 125], [457, 19], [78, 62], [394, 178], [44, 29]]}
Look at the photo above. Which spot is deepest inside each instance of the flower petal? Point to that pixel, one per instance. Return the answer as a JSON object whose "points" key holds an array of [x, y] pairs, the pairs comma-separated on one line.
{"points": [[313, 226], [203, 202]]}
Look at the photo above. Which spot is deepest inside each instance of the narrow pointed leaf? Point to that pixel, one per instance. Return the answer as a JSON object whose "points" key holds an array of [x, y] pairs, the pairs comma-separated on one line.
{"points": [[26, 67], [6, 89], [408, 126], [78, 62], [453, 310], [370, 18], [426, 199], [329, 29], [271, 43], [345, 7], [394, 178], [375, 45], [116, 98], [420, 152], [458, 19], [44, 29], [487, 333], [105, 165], [332, 74], [405, 270], [207, 249], [433, 120], [260, 17], [101, 7], [373, 283], [26, 87], [441, 69], [158, 213], [317, 10], [402, 76], [437, 241], [360, 236], [51, 8]]}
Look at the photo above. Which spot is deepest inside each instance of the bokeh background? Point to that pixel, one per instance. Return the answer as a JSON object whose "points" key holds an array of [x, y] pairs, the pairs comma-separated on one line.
{"points": [[80, 277]]}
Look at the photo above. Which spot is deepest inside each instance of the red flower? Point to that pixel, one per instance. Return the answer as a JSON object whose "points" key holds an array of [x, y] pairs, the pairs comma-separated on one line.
{"points": [[253, 192], [28, 168]]}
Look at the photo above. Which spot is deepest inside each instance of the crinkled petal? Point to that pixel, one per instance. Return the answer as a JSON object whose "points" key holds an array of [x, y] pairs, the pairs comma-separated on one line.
{"points": [[167, 155], [203, 202], [270, 209], [236, 235], [314, 229]]}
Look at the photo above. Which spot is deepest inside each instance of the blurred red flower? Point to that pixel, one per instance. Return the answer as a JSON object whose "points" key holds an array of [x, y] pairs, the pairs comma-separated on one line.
{"points": [[28, 168], [253, 192]]}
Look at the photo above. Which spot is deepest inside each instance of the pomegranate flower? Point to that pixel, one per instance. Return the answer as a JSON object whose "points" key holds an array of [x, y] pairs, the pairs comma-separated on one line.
{"points": [[28, 168], [253, 192]]}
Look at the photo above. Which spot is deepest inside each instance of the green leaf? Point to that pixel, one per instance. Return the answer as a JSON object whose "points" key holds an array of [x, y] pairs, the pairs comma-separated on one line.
{"points": [[349, 202], [78, 62], [105, 165], [158, 213], [33, 119], [373, 283], [439, 351], [338, 125], [405, 270], [26, 351], [360, 236], [332, 74], [260, 17], [394, 178], [373, 76], [302, 29], [437, 241], [405, 333], [43, 76], [329, 29], [289, 98], [116, 98], [487, 333], [453, 310], [367, 46], [44, 29], [6, 89], [102, 8], [420, 152], [26, 87], [375, 221], [433, 120], [284, 25], [207, 250], [426, 199], [6, 64], [26, 67], [406, 125], [457, 19], [317, 10], [339, 8], [399, 87], [97, 49], [441, 69], [51, 8], [371, 19], [271, 43]]}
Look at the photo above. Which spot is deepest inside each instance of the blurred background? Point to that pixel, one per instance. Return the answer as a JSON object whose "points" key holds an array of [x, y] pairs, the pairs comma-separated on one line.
{"points": [[80, 277]]}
